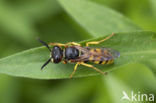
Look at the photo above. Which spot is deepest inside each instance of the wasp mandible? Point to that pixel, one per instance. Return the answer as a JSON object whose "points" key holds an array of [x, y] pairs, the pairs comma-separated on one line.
{"points": [[73, 52]]}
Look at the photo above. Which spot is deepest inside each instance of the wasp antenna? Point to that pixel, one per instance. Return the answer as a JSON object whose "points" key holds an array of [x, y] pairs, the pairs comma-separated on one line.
{"points": [[45, 63], [44, 43]]}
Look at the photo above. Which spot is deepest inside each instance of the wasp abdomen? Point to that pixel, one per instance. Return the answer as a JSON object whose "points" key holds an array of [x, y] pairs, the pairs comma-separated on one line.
{"points": [[106, 62], [101, 61], [100, 56]]}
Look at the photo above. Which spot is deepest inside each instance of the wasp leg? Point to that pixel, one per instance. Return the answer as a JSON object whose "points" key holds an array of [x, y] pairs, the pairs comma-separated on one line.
{"points": [[58, 44], [65, 45], [73, 43], [98, 42], [64, 62], [98, 70], [75, 68]]}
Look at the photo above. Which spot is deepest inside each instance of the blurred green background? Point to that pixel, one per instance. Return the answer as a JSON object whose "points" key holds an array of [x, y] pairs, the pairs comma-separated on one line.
{"points": [[22, 21]]}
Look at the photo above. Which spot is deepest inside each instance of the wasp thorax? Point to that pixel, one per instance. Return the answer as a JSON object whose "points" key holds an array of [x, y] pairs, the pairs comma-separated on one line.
{"points": [[71, 53], [57, 54]]}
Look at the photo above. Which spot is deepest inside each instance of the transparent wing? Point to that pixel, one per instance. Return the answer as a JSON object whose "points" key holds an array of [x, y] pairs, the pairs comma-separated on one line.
{"points": [[115, 54], [104, 55]]}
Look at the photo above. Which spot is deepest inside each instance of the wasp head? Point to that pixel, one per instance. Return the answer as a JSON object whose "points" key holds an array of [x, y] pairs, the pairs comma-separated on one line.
{"points": [[56, 54]]}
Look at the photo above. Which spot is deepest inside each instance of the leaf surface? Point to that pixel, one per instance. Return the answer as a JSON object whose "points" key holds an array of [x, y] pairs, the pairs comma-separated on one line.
{"points": [[97, 19], [133, 47]]}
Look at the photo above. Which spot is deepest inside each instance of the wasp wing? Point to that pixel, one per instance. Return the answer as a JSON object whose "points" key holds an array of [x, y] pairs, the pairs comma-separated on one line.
{"points": [[114, 53], [96, 54]]}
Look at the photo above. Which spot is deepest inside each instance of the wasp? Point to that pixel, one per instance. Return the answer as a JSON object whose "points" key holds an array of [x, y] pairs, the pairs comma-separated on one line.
{"points": [[73, 52]]}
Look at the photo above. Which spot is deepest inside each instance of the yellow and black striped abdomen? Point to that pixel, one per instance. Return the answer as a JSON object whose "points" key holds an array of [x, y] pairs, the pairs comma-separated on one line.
{"points": [[100, 56], [100, 60]]}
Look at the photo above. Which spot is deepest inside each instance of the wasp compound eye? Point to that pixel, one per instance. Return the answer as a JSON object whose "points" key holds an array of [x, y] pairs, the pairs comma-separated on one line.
{"points": [[57, 54], [71, 53]]}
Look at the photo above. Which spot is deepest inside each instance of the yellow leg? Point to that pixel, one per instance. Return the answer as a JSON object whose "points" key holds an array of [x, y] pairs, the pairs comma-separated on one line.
{"points": [[98, 70], [73, 43], [64, 62], [75, 68], [87, 65], [98, 42], [69, 43], [58, 44]]}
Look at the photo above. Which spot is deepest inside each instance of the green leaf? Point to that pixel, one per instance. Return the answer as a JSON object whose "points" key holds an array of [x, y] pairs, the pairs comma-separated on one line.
{"points": [[71, 91], [37, 10], [153, 4], [97, 19], [16, 25], [133, 47], [8, 89], [127, 74], [117, 93]]}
